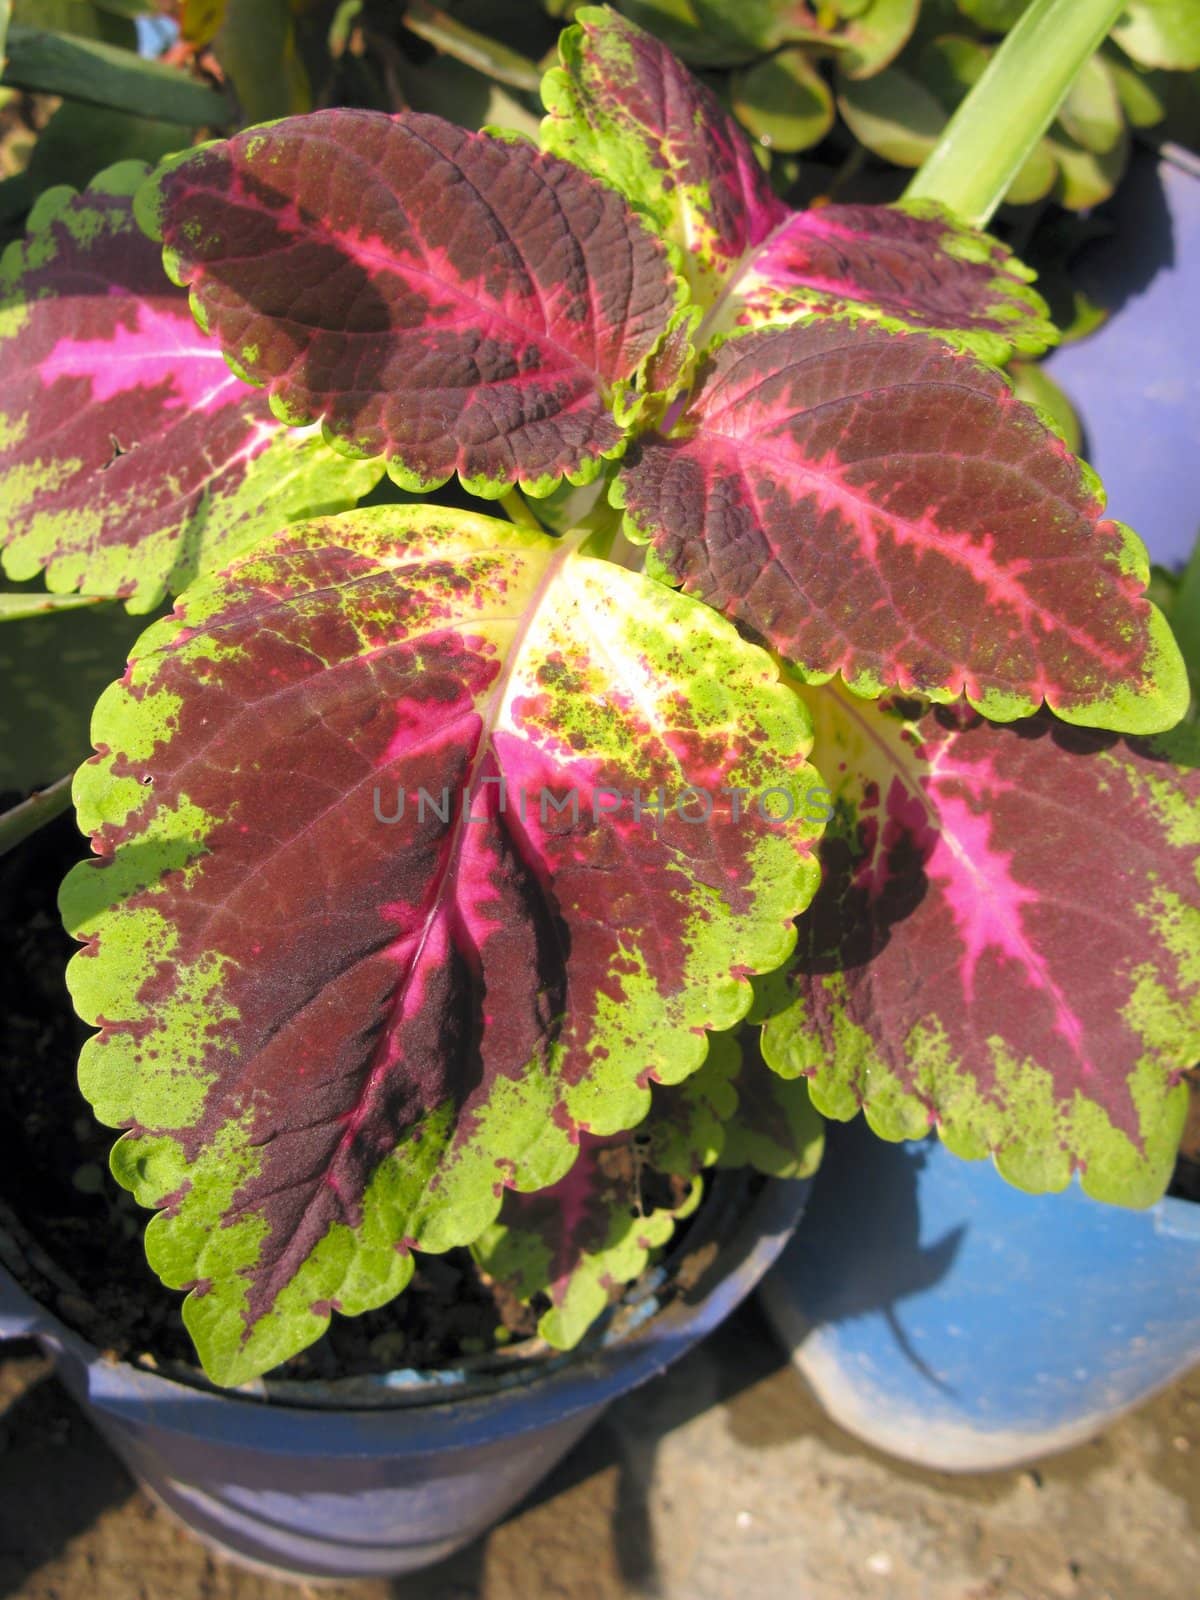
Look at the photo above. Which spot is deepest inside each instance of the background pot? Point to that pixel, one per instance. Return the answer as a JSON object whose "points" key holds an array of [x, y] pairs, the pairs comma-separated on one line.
{"points": [[949, 1319], [382, 1476], [1135, 382]]}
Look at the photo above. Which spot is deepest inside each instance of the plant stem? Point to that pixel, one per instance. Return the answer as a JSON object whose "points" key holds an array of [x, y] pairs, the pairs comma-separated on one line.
{"points": [[993, 132], [517, 510], [41, 807]]}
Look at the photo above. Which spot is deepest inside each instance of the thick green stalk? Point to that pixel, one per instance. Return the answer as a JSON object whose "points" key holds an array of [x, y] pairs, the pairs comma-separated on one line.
{"points": [[993, 132], [34, 813], [518, 510]]}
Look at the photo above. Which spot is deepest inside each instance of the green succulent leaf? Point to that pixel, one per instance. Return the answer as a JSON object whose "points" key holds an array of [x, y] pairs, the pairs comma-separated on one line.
{"points": [[718, 33], [875, 36], [1086, 177], [1091, 112], [426, 843], [1141, 93], [950, 65], [893, 114], [784, 101], [1036, 177], [1034, 385], [997, 16], [677, 23], [1161, 33]]}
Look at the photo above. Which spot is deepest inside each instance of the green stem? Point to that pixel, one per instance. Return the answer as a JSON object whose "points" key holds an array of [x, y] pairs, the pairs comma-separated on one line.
{"points": [[992, 134], [34, 813], [518, 511]]}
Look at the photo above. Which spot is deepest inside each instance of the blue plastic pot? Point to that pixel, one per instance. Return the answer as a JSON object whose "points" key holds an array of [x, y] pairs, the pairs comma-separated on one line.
{"points": [[1135, 383], [382, 1476], [947, 1318]]}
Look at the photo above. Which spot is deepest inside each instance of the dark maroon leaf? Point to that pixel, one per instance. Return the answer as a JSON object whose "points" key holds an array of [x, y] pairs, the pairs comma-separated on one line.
{"points": [[877, 504], [451, 300], [912, 266]]}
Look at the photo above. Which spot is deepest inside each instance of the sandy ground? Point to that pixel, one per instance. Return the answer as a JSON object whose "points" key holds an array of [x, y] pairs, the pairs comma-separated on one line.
{"points": [[721, 1481]]}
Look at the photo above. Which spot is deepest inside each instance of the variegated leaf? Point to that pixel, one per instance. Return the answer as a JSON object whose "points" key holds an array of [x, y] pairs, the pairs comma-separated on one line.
{"points": [[864, 34], [715, 33], [131, 458], [452, 301], [776, 1129], [688, 1124], [1006, 943], [426, 842], [876, 504], [586, 1236], [875, 32], [624, 108], [581, 1240], [910, 265], [1161, 33]]}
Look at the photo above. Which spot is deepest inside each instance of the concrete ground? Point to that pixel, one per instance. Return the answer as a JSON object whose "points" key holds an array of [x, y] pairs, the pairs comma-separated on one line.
{"points": [[722, 1481]]}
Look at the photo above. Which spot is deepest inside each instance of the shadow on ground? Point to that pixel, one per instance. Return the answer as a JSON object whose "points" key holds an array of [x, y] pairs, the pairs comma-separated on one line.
{"points": [[56, 1476]]}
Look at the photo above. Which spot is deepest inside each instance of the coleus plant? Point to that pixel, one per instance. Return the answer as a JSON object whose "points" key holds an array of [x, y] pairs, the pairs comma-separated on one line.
{"points": [[445, 865]]}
